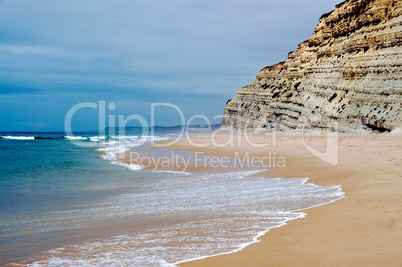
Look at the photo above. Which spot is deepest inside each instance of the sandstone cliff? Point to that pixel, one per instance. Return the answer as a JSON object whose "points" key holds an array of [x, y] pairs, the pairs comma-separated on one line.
{"points": [[349, 73]]}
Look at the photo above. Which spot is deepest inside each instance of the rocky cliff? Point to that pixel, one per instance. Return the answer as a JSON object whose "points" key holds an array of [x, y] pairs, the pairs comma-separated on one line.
{"points": [[347, 75]]}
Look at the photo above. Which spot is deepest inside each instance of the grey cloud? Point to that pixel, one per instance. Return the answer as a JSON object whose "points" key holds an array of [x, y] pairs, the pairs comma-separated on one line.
{"points": [[168, 48]]}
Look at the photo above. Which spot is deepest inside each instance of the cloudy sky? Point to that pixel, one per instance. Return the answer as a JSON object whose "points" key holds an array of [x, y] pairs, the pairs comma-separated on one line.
{"points": [[192, 53]]}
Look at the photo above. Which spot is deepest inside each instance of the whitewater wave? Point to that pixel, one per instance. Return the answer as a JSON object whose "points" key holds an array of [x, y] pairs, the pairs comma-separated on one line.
{"points": [[133, 167], [112, 152], [97, 138], [212, 223], [75, 137], [121, 144], [9, 137], [129, 140]]}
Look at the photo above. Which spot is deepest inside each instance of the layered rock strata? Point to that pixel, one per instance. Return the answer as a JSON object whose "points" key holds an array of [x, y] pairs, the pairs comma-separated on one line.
{"points": [[346, 77]]}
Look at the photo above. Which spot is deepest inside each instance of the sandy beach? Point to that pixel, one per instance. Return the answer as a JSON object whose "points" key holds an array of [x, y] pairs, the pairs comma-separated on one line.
{"points": [[362, 229]]}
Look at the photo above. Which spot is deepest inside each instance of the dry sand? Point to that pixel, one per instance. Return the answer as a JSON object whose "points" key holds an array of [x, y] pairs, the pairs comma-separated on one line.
{"points": [[362, 229]]}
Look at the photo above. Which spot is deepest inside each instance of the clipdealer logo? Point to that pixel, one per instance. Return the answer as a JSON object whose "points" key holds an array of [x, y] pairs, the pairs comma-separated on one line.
{"points": [[330, 155]]}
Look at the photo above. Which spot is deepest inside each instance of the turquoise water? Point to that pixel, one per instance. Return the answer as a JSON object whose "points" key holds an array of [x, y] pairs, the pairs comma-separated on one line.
{"points": [[41, 178], [81, 207]]}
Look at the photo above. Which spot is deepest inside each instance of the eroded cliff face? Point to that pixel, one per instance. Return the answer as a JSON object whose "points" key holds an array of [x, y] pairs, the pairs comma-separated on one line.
{"points": [[349, 73]]}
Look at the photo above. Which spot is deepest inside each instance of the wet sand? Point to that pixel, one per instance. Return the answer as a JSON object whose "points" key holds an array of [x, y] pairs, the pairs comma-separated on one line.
{"points": [[362, 229]]}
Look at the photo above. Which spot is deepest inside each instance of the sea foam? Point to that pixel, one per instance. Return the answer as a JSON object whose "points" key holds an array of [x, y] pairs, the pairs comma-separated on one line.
{"points": [[18, 137], [75, 137], [114, 148], [97, 138], [201, 215]]}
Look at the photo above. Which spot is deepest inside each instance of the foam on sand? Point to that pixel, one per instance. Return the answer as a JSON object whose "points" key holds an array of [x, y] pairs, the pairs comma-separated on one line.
{"points": [[201, 215]]}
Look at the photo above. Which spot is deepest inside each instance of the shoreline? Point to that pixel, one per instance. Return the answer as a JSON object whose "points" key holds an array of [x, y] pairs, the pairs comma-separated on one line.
{"points": [[362, 228], [256, 239]]}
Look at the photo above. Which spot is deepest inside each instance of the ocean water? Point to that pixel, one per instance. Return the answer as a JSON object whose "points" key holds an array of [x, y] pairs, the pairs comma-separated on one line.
{"points": [[79, 205]]}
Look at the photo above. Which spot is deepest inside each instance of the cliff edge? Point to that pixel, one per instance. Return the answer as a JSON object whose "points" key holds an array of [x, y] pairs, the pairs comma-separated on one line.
{"points": [[348, 75]]}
